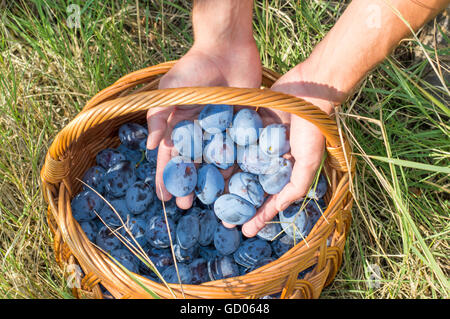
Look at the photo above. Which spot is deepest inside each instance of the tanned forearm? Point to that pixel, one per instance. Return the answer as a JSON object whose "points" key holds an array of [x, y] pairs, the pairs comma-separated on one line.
{"points": [[221, 23], [364, 35]]}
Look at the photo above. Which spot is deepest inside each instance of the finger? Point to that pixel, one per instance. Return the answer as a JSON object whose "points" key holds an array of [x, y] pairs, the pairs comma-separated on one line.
{"points": [[308, 155], [164, 156], [165, 153], [157, 124], [227, 225], [185, 202], [288, 156], [264, 214], [296, 189]]}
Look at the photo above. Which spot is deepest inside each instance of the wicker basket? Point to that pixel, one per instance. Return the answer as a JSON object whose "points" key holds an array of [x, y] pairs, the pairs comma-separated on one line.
{"points": [[74, 149]]}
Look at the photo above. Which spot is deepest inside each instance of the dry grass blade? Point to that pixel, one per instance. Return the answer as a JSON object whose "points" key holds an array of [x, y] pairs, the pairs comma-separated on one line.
{"points": [[171, 244], [135, 248]]}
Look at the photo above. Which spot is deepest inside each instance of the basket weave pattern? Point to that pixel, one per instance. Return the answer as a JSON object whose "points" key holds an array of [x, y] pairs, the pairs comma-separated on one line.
{"points": [[74, 149]]}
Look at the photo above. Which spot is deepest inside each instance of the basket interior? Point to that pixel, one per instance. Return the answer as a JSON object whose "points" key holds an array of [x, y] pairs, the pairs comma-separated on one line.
{"points": [[82, 153]]}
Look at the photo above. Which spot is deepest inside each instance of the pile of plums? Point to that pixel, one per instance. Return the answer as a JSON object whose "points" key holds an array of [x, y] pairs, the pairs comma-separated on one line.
{"points": [[204, 249]]}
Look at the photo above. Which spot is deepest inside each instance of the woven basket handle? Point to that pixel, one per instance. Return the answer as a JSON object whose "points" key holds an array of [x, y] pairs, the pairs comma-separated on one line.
{"points": [[104, 107]]}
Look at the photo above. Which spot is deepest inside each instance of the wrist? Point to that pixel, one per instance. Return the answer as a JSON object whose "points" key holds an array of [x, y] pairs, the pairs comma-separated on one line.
{"points": [[327, 70], [304, 81], [222, 24]]}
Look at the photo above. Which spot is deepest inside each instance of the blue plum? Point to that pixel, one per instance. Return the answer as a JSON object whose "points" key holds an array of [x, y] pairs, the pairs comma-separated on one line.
{"points": [[242, 270], [122, 149], [146, 170], [227, 240], [94, 177], [199, 271], [196, 211], [134, 231], [210, 184], [314, 209], [187, 139], [274, 140], [107, 239], [208, 252], [222, 267], [180, 176], [246, 185], [119, 178], [207, 137], [208, 225], [133, 156], [161, 258], [186, 255], [220, 151], [126, 259], [172, 210], [109, 215], [198, 203], [170, 274], [109, 157], [245, 127], [151, 156], [322, 204], [150, 180], [215, 118], [295, 222], [155, 208], [281, 245], [188, 231], [133, 135], [252, 160], [272, 229], [233, 209], [251, 251], [85, 205], [313, 213], [318, 191], [90, 228], [274, 183], [157, 234], [138, 197]]}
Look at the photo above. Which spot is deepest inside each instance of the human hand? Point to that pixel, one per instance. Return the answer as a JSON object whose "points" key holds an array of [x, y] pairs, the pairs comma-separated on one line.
{"points": [[307, 142], [231, 65]]}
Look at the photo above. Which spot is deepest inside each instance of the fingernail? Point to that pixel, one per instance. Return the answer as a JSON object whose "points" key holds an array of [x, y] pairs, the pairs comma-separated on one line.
{"points": [[244, 232], [149, 143], [227, 225]]}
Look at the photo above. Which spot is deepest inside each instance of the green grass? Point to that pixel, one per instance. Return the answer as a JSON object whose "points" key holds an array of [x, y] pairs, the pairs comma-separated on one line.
{"points": [[398, 129]]}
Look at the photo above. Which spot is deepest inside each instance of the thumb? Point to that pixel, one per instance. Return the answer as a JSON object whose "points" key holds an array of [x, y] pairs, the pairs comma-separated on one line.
{"points": [[307, 149], [157, 125], [293, 191]]}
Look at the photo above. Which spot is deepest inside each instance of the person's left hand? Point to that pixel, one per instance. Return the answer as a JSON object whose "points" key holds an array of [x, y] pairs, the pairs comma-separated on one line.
{"points": [[307, 143]]}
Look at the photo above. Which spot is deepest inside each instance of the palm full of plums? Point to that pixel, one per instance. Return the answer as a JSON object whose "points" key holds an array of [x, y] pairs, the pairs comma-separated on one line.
{"points": [[198, 69], [267, 207]]}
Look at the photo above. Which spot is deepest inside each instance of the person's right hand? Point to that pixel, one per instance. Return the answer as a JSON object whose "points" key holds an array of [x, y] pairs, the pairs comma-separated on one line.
{"points": [[236, 66]]}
